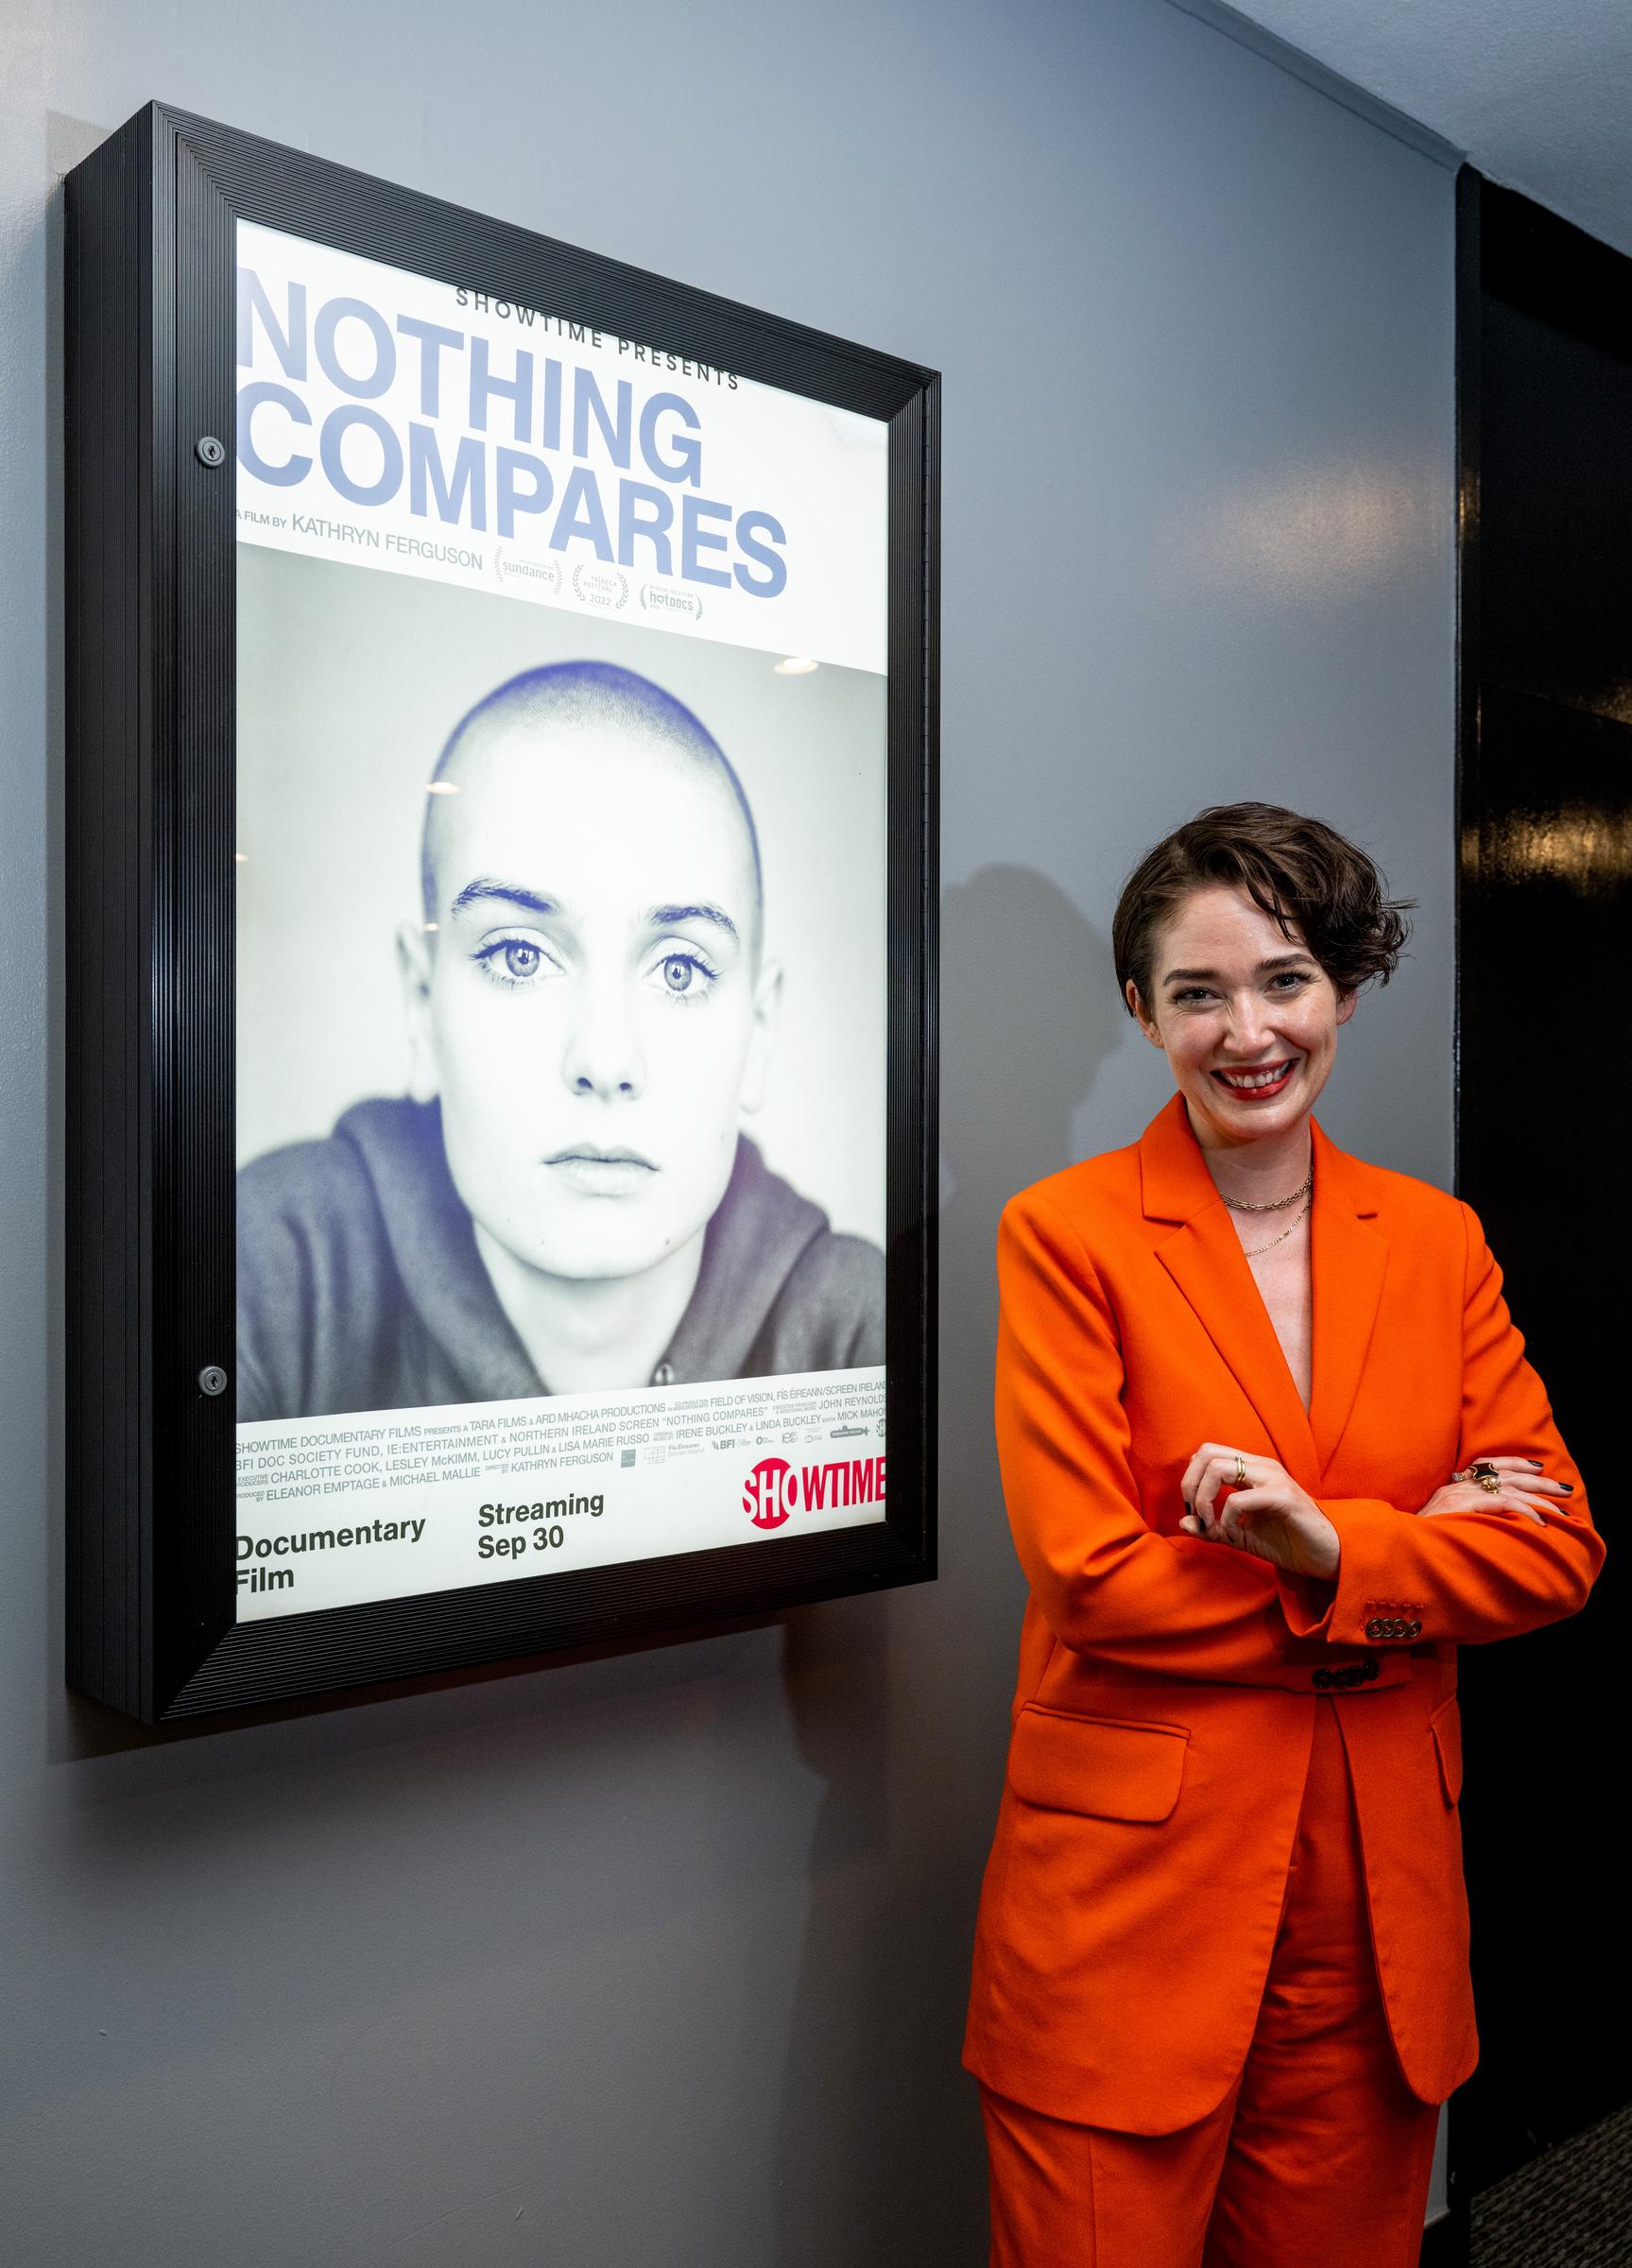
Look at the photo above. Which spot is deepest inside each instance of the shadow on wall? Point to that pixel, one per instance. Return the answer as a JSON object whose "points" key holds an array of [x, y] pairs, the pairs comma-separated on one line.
{"points": [[903, 1714], [1030, 1011]]}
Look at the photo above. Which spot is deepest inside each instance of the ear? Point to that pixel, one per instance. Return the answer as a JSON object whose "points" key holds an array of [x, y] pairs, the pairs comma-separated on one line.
{"points": [[768, 1015], [416, 947], [1345, 1005], [1130, 993]]}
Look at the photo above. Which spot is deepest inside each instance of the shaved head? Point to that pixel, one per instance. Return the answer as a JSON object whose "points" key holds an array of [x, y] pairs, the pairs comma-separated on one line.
{"points": [[575, 710], [588, 996]]}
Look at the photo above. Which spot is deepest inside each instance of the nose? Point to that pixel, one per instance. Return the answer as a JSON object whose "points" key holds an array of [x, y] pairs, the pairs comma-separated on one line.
{"points": [[1249, 1024], [603, 1055]]}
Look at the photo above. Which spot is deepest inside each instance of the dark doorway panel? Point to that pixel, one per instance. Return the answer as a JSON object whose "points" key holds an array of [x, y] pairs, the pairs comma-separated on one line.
{"points": [[1544, 382]]}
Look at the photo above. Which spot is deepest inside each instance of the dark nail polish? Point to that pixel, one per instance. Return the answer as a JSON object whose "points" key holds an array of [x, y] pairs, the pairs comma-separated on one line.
{"points": [[1568, 1486], [1534, 1462]]}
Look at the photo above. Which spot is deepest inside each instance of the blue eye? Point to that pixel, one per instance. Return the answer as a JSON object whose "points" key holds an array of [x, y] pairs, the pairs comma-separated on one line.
{"points": [[513, 962], [683, 976]]}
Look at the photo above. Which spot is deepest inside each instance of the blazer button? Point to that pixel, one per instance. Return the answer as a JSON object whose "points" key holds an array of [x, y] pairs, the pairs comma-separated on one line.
{"points": [[1376, 1628], [1323, 1678], [1371, 1668], [1414, 1629]]}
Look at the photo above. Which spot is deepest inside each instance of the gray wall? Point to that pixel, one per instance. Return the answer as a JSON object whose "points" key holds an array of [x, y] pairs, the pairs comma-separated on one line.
{"points": [[661, 1959]]}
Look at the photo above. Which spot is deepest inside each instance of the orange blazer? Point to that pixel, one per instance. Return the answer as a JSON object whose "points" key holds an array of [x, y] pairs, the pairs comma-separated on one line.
{"points": [[1168, 1684]]}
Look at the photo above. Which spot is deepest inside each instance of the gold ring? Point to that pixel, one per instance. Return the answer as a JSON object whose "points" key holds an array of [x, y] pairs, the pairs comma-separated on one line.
{"points": [[1240, 1470], [1489, 1480]]}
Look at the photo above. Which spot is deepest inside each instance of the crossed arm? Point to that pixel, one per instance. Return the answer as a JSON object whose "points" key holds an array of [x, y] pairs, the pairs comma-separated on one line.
{"points": [[1270, 1564]]}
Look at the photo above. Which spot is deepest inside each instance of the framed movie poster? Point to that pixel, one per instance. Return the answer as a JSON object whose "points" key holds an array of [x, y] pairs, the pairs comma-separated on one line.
{"points": [[502, 718]]}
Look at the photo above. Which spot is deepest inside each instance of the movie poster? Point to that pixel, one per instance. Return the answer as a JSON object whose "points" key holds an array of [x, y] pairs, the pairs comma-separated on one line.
{"points": [[562, 957]]}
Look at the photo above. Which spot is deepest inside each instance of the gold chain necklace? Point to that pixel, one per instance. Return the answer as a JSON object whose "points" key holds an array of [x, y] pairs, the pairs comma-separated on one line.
{"points": [[1275, 1204], [1257, 1250]]}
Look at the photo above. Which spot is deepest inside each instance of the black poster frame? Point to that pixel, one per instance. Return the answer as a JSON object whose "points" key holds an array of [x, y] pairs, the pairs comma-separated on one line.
{"points": [[151, 539]]}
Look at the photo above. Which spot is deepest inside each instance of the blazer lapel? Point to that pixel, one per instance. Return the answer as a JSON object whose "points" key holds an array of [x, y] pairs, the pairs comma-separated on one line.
{"points": [[1205, 1260], [1350, 1260]]}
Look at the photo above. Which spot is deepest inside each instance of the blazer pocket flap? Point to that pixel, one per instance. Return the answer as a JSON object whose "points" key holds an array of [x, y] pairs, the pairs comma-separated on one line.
{"points": [[1446, 1727], [1102, 1766]]}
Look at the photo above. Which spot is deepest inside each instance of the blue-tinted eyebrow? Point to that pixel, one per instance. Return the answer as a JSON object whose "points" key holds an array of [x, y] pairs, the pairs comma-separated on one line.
{"points": [[509, 893], [487, 891], [668, 917]]}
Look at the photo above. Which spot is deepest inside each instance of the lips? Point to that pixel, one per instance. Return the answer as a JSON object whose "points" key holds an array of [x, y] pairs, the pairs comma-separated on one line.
{"points": [[1259, 1082], [594, 1172]]}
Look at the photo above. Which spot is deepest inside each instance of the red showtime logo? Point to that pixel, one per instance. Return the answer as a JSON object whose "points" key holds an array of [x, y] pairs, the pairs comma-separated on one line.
{"points": [[771, 1492]]}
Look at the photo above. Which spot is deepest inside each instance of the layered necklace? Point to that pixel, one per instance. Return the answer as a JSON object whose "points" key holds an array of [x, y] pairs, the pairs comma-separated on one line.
{"points": [[1301, 1194]]}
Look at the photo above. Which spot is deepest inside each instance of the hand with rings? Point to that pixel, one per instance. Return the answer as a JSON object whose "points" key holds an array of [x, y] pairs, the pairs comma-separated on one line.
{"points": [[1514, 1485], [1266, 1512]]}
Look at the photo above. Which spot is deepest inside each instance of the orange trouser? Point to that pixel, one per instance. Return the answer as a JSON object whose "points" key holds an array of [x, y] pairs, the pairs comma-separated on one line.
{"points": [[1318, 2158]]}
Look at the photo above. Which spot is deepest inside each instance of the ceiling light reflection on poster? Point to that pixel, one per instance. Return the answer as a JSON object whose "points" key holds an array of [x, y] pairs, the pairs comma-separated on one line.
{"points": [[560, 1087]]}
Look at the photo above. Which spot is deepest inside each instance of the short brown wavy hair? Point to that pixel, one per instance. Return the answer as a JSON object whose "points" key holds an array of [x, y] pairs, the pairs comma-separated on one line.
{"points": [[1299, 872]]}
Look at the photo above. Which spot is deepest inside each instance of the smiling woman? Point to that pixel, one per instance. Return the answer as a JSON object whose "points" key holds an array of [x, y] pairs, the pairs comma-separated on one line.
{"points": [[1242, 943], [1270, 1451]]}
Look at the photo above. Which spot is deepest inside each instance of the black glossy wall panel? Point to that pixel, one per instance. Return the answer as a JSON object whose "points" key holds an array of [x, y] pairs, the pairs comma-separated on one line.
{"points": [[1545, 399], [1557, 467]]}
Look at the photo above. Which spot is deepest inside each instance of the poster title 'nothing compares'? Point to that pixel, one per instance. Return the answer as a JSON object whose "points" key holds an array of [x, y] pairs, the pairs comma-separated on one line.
{"points": [[508, 440]]}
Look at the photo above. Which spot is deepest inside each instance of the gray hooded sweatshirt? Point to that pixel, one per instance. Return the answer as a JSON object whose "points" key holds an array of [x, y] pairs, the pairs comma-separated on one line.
{"points": [[360, 1286]]}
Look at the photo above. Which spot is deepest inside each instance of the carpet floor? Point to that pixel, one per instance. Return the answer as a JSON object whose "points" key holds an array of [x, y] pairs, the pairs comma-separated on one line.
{"points": [[1571, 2208]]}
